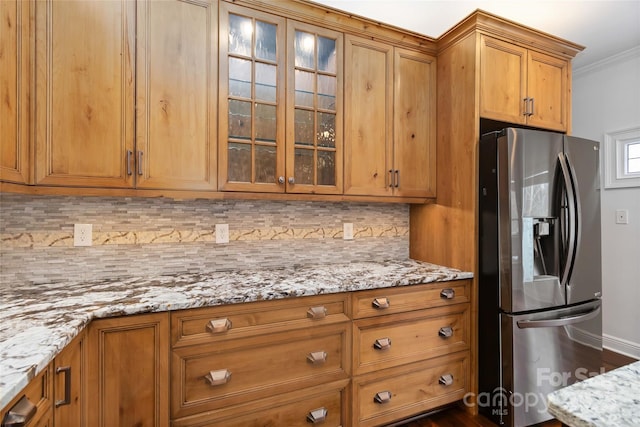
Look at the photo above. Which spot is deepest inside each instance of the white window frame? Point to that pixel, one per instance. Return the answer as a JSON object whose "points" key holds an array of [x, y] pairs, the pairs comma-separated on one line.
{"points": [[615, 171]]}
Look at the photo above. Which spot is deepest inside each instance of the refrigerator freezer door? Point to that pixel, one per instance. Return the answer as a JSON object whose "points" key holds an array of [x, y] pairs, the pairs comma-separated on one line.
{"points": [[544, 352], [585, 279], [527, 176]]}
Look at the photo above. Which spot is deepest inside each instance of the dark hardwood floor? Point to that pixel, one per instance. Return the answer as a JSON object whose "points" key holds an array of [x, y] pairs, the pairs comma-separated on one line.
{"points": [[458, 417]]}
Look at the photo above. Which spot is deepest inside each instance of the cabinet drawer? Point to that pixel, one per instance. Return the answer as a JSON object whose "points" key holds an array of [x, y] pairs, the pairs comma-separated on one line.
{"points": [[387, 341], [287, 409], [190, 327], [398, 393], [257, 367], [381, 302], [38, 393]]}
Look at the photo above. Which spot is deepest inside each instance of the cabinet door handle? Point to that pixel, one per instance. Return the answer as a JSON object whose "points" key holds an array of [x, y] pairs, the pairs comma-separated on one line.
{"points": [[446, 332], [397, 184], [20, 414], [533, 106], [382, 397], [292, 180], [319, 312], [382, 344], [447, 293], [139, 165], [218, 377], [317, 357], [391, 178], [380, 303], [446, 380], [317, 416], [281, 180], [216, 326], [525, 111], [129, 156], [67, 385]]}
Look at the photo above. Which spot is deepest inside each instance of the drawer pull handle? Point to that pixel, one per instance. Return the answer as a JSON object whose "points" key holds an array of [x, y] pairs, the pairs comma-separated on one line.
{"points": [[380, 303], [447, 293], [216, 326], [317, 416], [317, 357], [319, 312], [67, 385], [20, 414], [219, 377], [382, 344], [446, 379], [446, 332], [382, 397]]}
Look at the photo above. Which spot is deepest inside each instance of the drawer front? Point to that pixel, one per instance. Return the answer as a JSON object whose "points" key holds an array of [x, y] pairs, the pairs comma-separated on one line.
{"points": [[257, 367], [214, 324], [389, 341], [36, 394], [326, 405], [380, 302], [410, 390]]}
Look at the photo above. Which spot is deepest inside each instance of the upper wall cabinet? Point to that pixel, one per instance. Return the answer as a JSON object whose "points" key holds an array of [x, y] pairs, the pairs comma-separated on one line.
{"points": [[15, 71], [389, 120], [523, 86], [270, 139], [87, 74]]}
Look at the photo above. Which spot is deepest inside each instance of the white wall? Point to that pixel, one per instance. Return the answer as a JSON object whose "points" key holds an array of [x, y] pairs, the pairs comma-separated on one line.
{"points": [[606, 98]]}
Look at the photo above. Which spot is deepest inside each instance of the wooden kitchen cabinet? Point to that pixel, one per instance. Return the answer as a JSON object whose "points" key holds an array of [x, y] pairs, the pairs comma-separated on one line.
{"points": [[128, 371], [15, 71], [69, 384], [33, 404], [523, 86], [87, 75], [389, 120]]}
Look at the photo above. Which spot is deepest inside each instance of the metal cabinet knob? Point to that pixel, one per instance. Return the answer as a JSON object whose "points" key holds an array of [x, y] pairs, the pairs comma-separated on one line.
{"points": [[380, 303], [317, 357], [291, 180], [216, 326], [382, 344], [447, 293], [317, 416], [446, 332], [382, 397], [281, 180], [446, 380], [218, 377], [319, 312]]}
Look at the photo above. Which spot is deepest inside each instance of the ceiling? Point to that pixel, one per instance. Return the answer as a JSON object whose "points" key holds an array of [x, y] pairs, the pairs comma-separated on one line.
{"points": [[604, 27]]}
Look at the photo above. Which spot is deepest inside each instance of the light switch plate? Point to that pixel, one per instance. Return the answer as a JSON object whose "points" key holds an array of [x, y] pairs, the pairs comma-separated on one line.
{"points": [[347, 231], [622, 216], [222, 233], [82, 234]]}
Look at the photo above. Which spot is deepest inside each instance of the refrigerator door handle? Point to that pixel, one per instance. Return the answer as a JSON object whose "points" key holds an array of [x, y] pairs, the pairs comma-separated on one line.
{"points": [[573, 217], [561, 321]]}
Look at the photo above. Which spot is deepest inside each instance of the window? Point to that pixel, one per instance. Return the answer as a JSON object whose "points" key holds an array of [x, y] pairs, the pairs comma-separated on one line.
{"points": [[622, 158]]}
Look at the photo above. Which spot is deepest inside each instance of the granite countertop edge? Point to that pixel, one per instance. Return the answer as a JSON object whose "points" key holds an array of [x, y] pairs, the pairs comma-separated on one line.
{"points": [[39, 320]]}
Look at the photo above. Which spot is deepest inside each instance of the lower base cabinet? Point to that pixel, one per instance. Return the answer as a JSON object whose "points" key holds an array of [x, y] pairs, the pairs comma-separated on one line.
{"points": [[32, 406]]}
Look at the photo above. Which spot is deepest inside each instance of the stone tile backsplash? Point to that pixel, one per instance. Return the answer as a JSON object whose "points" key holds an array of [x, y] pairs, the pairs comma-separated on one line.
{"points": [[151, 236]]}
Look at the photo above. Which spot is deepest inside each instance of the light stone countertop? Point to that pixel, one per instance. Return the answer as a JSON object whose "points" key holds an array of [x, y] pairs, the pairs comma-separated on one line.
{"points": [[39, 320], [611, 399]]}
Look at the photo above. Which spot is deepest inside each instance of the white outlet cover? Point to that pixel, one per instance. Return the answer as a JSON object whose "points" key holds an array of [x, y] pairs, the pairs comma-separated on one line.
{"points": [[622, 216], [82, 234], [222, 233], [347, 231]]}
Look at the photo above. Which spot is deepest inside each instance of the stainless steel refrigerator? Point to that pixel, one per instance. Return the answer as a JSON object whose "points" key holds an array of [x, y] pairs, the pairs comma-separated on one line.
{"points": [[540, 324]]}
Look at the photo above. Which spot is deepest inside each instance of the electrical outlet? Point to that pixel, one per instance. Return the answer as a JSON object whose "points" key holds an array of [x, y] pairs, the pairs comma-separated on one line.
{"points": [[82, 234], [347, 231], [222, 233], [622, 216]]}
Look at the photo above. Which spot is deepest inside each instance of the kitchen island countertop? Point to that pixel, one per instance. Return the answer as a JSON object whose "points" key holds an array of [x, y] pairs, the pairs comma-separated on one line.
{"points": [[39, 320], [611, 399]]}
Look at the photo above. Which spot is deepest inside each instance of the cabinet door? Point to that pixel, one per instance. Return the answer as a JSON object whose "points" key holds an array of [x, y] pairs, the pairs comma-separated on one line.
{"points": [[314, 109], [414, 124], [368, 116], [14, 90], [69, 385], [503, 80], [128, 371], [84, 92], [252, 100], [548, 81], [176, 80]]}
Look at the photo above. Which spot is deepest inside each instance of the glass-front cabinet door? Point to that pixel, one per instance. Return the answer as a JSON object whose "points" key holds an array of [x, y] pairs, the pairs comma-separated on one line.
{"points": [[252, 100], [314, 110]]}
